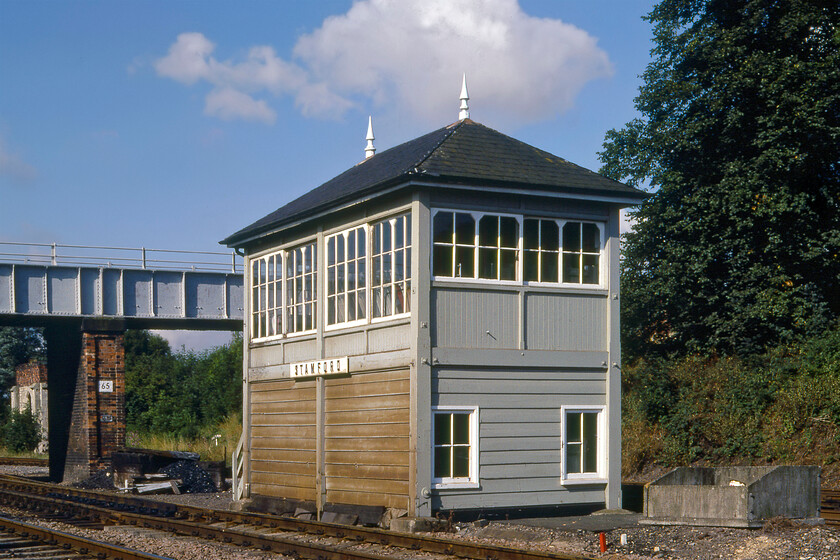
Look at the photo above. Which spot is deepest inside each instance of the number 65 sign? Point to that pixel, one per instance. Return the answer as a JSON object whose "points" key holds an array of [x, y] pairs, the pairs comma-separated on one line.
{"points": [[106, 386]]}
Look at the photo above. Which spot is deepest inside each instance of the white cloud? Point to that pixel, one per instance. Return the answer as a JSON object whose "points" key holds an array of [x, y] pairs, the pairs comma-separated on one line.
{"points": [[13, 167], [187, 61], [518, 67], [229, 104], [411, 54]]}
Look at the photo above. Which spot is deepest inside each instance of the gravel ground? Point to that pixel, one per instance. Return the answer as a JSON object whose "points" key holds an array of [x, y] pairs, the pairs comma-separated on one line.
{"points": [[778, 540]]}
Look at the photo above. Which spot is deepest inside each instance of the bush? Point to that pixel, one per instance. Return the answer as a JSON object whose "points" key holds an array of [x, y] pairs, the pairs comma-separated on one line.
{"points": [[22, 432], [782, 406]]}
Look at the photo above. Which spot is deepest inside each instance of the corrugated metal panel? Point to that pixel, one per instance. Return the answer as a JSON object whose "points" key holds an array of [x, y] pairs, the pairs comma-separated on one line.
{"points": [[351, 344], [519, 433], [475, 318], [566, 322], [387, 339]]}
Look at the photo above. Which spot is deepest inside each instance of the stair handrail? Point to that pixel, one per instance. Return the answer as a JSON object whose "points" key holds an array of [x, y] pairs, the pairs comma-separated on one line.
{"points": [[238, 469]]}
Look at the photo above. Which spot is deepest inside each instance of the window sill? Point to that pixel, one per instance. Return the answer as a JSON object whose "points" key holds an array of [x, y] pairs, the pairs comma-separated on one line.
{"points": [[582, 481], [544, 287], [456, 486], [268, 340]]}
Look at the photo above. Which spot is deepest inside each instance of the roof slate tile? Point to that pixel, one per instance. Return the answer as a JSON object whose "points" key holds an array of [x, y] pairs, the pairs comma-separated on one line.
{"points": [[462, 152]]}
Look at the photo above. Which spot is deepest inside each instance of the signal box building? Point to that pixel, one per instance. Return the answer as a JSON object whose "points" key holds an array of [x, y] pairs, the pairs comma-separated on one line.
{"points": [[437, 329]]}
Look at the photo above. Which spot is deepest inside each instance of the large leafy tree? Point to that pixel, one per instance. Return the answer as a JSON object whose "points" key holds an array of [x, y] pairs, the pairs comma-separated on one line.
{"points": [[180, 392], [739, 142], [17, 346]]}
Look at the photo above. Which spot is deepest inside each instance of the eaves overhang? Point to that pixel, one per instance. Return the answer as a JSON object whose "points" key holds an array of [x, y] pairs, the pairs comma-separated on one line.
{"points": [[430, 181]]}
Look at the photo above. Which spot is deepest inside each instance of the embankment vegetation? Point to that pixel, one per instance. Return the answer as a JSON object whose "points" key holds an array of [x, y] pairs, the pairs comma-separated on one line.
{"points": [[731, 272], [781, 406], [180, 400]]}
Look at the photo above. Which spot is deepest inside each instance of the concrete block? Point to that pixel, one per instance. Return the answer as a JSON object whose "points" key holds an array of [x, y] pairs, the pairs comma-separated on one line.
{"points": [[415, 524]]}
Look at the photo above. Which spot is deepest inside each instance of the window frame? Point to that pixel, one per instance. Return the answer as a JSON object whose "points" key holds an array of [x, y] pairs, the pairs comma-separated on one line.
{"points": [[603, 259], [407, 263], [454, 483], [280, 308], [476, 248], [365, 227], [286, 279], [599, 476]]}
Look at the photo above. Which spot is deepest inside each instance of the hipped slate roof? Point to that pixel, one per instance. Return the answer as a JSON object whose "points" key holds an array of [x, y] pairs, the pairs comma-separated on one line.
{"points": [[463, 153]]}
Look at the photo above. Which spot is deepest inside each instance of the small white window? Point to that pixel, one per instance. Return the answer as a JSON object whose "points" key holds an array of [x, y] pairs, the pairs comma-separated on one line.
{"points": [[541, 239], [267, 296], [391, 267], [498, 244], [581, 253], [455, 447], [301, 289], [583, 444], [346, 276], [454, 244]]}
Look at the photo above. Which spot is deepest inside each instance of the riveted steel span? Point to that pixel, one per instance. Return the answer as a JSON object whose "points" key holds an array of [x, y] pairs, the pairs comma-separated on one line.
{"points": [[55, 295]]}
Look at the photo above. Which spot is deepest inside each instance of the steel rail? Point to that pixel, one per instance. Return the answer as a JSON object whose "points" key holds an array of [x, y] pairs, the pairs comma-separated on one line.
{"points": [[64, 541], [25, 461], [158, 514], [228, 535]]}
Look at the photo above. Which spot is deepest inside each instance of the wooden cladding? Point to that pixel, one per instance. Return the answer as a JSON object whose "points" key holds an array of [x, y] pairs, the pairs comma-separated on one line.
{"points": [[365, 439], [283, 439]]}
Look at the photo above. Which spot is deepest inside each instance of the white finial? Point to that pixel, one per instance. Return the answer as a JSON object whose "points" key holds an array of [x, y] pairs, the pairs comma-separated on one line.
{"points": [[465, 109], [369, 149]]}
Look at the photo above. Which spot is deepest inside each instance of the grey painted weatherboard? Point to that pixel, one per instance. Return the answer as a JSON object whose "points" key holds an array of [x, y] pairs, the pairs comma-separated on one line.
{"points": [[566, 321], [479, 318], [519, 443]]}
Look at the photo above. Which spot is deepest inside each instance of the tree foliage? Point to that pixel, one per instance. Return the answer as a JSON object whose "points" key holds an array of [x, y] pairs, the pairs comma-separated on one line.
{"points": [[179, 393], [22, 431], [17, 346], [739, 140]]}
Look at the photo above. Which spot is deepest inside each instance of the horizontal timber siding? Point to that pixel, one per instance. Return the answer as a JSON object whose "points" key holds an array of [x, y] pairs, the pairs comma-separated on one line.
{"points": [[366, 439], [283, 432], [519, 434], [566, 322], [477, 318]]}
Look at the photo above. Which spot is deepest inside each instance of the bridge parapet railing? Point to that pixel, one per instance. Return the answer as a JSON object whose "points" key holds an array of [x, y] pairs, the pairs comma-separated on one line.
{"points": [[55, 254]]}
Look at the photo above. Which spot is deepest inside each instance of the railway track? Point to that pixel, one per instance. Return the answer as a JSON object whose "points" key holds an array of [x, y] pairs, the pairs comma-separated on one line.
{"points": [[24, 540], [25, 461], [292, 537]]}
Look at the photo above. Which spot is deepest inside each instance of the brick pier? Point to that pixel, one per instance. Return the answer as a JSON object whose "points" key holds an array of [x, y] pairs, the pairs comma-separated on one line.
{"points": [[87, 402]]}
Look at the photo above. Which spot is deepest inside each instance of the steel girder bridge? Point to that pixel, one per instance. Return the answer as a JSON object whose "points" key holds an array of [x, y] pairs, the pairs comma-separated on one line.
{"points": [[84, 298]]}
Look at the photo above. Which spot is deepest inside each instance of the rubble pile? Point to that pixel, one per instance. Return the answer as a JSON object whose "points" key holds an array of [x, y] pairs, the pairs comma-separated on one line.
{"points": [[100, 480], [194, 479]]}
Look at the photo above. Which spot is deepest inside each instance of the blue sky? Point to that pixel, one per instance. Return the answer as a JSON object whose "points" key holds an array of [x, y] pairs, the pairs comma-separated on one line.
{"points": [[171, 124]]}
